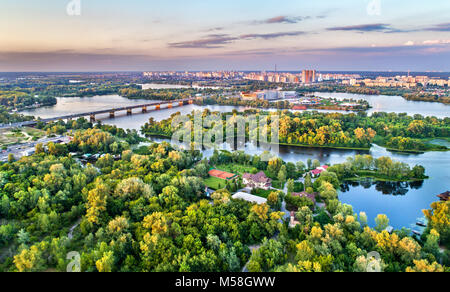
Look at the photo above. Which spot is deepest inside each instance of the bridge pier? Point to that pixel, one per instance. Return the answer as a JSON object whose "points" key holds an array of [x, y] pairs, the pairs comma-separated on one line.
{"points": [[92, 118], [129, 112], [112, 114], [170, 105], [158, 107], [180, 103], [144, 109], [190, 101]]}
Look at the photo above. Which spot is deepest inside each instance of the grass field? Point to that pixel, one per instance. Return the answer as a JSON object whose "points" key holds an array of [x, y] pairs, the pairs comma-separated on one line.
{"points": [[15, 136], [261, 193], [278, 185], [215, 183]]}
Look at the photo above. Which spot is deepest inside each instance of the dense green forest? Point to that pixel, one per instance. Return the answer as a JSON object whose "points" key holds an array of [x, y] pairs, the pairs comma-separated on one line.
{"points": [[157, 94], [149, 212], [20, 100], [7, 117], [396, 131]]}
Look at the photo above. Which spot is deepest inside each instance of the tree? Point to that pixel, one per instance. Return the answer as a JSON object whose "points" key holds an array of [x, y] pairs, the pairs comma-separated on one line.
{"points": [[291, 170], [39, 148], [315, 163], [363, 219], [439, 218], [96, 205], [282, 174], [270, 254], [423, 266], [301, 166], [221, 197], [157, 222], [274, 200], [30, 260], [327, 191], [308, 181], [11, 158], [274, 166], [133, 188], [290, 186], [118, 225], [382, 222], [106, 263], [23, 237], [306, 218]]}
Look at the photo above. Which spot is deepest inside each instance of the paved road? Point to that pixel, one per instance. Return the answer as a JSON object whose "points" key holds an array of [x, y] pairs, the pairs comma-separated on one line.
{"points": [[18, 149]]}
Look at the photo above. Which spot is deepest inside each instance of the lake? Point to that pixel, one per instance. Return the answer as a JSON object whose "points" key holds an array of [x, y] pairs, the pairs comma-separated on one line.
{"points": [[402, 203]]}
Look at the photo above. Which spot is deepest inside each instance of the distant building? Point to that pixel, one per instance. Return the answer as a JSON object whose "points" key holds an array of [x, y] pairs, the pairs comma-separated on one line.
{"points": [[257, 181], [308, 76], [288, 94], [249, 198]]}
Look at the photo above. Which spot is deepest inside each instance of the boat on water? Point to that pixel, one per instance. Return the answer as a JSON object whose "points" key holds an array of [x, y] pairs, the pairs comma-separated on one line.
{"points": [[422, 222]]}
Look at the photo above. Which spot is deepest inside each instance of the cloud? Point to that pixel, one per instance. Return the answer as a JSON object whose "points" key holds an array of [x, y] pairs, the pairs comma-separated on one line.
{"points": [[439, 27], [284, 19], [214, 41], [409, 43], [436, 42], [380, 27], [210, 42], [267, 36], [383, 50]]}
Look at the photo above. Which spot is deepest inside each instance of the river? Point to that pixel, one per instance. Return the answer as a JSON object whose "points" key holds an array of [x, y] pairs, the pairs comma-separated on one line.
{"points": [[395, 104], [403, 203]]}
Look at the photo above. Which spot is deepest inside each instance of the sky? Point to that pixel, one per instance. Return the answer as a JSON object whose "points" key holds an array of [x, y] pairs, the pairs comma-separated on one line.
{"points": [[193, 35]]}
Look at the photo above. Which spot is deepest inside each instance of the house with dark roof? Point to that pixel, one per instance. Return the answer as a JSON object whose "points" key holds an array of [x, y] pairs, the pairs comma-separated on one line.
{"points": [[257, 181]]}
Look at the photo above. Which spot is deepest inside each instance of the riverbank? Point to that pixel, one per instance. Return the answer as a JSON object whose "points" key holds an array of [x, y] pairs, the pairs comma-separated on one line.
{"points": [[162, 136]]}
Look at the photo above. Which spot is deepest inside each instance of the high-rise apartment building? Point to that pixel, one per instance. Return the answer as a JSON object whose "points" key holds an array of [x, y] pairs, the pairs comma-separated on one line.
{"points": [[308, 76]]}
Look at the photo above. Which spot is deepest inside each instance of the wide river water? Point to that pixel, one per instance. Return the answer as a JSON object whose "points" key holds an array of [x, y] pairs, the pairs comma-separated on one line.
{"points": [[401, 202]]}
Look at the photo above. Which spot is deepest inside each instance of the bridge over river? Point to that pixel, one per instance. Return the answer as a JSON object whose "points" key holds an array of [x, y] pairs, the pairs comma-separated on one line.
{"points": [[112, 112]]}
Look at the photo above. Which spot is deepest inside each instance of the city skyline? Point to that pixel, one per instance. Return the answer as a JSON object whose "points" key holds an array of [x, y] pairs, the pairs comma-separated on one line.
{"points": [[150, 35]]}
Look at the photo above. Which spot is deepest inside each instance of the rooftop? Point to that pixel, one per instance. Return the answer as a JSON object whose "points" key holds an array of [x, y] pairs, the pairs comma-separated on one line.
{"points": [[260, 177], [249, 198]]}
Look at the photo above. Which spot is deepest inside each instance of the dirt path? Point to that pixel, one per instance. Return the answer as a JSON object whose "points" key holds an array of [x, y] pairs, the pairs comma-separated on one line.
{"points": [[70, 235]]}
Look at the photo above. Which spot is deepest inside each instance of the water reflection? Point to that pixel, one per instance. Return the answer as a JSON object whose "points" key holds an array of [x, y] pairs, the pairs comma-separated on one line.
{"points": [[383, 187]]}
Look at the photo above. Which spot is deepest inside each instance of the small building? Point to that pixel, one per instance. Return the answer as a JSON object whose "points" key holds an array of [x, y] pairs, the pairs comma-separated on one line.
{"points": [[293, 222], [318, 171], [444, 196], [257, 181], [249, 198], [28, 152]]}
